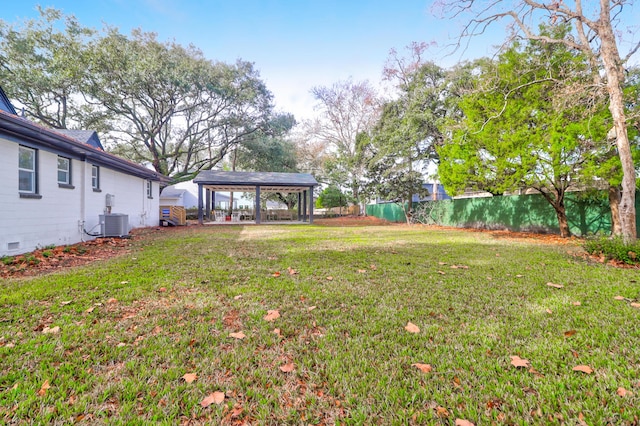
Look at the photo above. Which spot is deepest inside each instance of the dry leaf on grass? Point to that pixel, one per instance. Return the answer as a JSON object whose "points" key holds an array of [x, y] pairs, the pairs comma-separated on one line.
{"points": [[276, 274], [43, 388], [272, 315], [619, 298], [277, 331], [635, 305], [373, 267], [462, 422], [549, 311], [240, 335], [329, 278], [516, 361], [190, 377], [583, 368], [576, 303], [238, 297], [569, 333], [311, 308], [623, 392], [66, 302], [291, 271], [442, 412], [425, 368], [412, 328], [52, 330], [288, 368], [362, 271], [555, 285], [216, 397], [441, 272], [112, 300]]}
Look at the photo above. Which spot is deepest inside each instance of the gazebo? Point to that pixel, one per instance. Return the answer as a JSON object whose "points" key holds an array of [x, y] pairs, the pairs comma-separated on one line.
{"points": [[212, 181]]}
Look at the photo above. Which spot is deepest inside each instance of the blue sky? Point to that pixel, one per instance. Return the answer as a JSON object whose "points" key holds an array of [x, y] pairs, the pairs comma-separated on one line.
{"points": [[295, 44]]}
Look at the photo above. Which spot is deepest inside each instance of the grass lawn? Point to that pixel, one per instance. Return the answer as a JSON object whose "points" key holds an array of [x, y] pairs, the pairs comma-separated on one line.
{"points": [[148, 337]]}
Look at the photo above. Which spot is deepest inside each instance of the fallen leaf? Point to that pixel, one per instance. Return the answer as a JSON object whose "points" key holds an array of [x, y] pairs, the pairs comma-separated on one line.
{"points": [[237, 410], [623, 392], [329, 278], [124, 282], [576, 303], [277, 331], [373, 267], [67, 302], [583, 368], [634, 305], [112, 301], [442, 263], [549, 311], [240, 335], [555, 285], [311, 308], [619, 298], [162, 289], [362, 271], [272, 315], [43, 388], [291, 271], [121, 345], [441, 272], [190, 377], [425, 368], [462, 422], [535, 372], [90, 309], [216, 397], [516, 361], [238, 297], [412, 328], [442, 412], [276, 274], [288, 368], [52, 330], [519, 276], [569, 333]]}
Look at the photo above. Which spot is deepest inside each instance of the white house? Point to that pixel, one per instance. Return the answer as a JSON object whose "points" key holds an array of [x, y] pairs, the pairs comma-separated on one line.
{"points": [[56, 184]]}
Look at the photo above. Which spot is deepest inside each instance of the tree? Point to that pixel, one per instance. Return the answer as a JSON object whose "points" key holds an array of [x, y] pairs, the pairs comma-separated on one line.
{"points": [[169, 106], [403, 141], [331, 197], [594, 36], [346, 109], [42, 67], [519, 131]]}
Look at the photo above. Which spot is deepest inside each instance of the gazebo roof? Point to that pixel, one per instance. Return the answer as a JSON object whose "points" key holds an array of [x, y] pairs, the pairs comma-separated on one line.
{"points": [[218, 180]]}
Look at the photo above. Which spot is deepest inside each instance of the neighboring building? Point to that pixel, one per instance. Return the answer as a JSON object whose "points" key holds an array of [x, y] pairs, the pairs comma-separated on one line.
{"points": [[436, 192], [55, 186]]}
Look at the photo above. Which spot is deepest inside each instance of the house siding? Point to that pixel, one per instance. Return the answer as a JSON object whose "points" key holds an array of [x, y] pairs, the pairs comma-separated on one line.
{"points": [[58, 216]]}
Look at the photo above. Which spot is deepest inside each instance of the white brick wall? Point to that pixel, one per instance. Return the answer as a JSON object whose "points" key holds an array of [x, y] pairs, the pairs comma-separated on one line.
{"points": [[26, 224]]}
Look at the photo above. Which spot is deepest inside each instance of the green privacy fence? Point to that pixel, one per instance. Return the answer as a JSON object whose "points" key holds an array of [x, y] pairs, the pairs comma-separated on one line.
{"points": [[586, 215]]}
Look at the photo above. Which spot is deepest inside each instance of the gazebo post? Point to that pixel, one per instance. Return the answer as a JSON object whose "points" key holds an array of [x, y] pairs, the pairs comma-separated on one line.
{"points": [[311, 205], [208, 204], [299, 205], [304, 206], [200, 221], [258, 205], [213, 200]]}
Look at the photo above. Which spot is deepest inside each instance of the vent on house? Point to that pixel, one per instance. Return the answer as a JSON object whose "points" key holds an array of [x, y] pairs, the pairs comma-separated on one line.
{"points": [[114, 225], [13, 246]]}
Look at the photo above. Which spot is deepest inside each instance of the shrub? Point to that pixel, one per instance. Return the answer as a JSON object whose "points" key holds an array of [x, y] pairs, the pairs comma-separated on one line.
{"points": [[613, 249]]}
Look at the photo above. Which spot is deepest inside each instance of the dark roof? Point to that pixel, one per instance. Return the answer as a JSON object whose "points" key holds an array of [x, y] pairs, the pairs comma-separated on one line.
{"points": [[25, 131], [5, 103], [218, 180], [90, 137]]}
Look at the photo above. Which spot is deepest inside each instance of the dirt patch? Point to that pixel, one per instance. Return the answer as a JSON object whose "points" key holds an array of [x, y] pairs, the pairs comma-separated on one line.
{"points": [[353, 221]]}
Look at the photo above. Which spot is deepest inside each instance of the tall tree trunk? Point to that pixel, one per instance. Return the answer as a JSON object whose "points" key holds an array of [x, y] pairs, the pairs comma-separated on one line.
{"points": [[563, 223], [611, 59], [614, 205]]}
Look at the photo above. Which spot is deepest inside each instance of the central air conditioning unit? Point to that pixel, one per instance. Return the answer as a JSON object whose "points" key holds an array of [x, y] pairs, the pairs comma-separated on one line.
{"points": [[114, 225]]}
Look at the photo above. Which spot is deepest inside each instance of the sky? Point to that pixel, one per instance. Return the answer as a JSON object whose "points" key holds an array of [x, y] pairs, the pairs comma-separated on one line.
{"points": [[295, 44]]}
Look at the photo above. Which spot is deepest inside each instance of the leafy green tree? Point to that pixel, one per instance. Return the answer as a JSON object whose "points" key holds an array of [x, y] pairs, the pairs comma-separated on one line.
{"points": [[592, 33], [519, 131], [331, 197], [42, 67]]}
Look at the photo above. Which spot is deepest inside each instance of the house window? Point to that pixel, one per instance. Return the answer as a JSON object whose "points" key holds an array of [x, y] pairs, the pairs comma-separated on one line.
{"points": [[27, 170], [149, 189], [64, 171], [95, 178]]}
